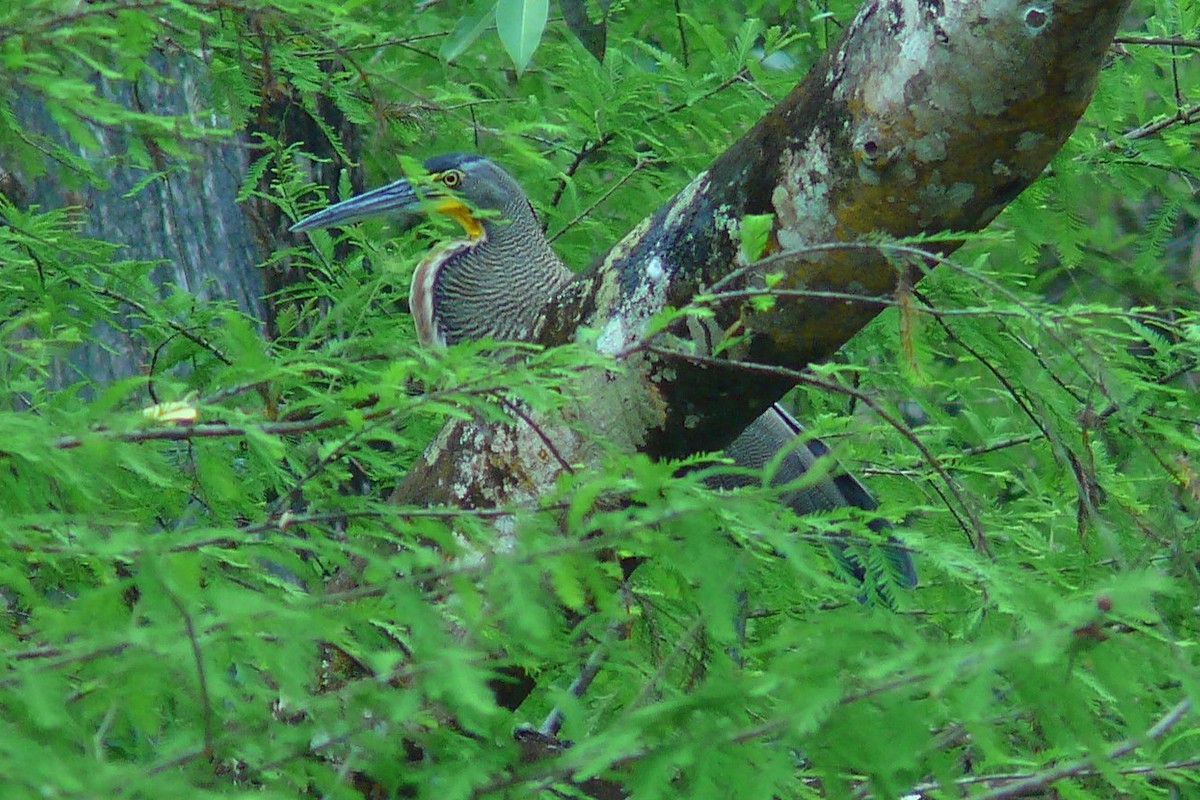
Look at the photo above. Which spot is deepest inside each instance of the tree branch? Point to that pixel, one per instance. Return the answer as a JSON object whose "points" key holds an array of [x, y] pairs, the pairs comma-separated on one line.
{"points": [[924, 118], [1044, 779]]}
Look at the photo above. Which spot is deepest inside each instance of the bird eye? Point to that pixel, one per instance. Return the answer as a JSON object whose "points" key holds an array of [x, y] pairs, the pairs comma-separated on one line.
{"points": [[452, 178]]}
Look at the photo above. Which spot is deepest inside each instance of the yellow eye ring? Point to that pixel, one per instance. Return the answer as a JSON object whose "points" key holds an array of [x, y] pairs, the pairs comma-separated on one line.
{"points": [[452, 178]]}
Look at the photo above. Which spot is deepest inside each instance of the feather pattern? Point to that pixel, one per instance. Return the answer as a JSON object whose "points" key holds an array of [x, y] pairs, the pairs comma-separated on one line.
{"points": [[491, 286], [495, 283]]}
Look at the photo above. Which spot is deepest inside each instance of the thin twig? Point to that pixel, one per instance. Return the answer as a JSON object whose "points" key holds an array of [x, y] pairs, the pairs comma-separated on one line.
{"points": [[1168, 41], [684, 640], [591, 668], [978, 537], [1185, 116], [211, 431], [683, 42], [206, 709], [992, 447], [1042, 780], [594, 146], [538, 431], [339, 51], [335, 454], [488, 388], [639, 166], [1022, 402], [1140, 769]]}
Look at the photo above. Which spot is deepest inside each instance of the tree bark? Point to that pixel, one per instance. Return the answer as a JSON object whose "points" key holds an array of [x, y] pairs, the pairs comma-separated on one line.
{"points": [[927, 116], [188, 221]]}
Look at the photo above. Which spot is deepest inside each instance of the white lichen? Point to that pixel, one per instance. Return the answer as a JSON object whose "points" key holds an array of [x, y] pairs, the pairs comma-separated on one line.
{"points": [[801, 199], [654, 270], [1030, 140]]}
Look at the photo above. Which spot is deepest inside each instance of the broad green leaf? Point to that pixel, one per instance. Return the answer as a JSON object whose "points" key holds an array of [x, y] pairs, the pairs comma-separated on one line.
{"points": [[520, 24], [755, 231], [468, 29]]}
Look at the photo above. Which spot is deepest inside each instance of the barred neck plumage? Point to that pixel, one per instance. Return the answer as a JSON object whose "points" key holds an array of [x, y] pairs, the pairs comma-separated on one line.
{"points": [[493, 286]]}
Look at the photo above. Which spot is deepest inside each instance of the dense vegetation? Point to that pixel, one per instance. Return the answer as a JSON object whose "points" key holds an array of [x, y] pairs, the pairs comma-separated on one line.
{"points": [[208, 594]]}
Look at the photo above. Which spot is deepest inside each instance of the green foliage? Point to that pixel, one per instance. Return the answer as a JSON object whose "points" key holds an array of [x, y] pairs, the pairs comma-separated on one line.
{"points": [[175, 544], [520, 24]]}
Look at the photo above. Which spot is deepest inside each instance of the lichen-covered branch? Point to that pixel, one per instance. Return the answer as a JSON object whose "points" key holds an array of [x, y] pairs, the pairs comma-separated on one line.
{"points": [[927, 116]]}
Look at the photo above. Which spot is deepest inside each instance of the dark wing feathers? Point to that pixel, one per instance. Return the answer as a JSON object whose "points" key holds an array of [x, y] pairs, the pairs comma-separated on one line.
{"points": [[760, 445]]}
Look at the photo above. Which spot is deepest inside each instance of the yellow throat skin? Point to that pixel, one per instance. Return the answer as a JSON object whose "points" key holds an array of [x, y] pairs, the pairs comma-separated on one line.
{"points": [[460, 213]]}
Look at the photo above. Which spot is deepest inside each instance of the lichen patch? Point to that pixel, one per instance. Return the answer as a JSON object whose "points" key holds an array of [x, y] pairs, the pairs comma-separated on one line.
{"points": [[801, 198], [684, 200]]}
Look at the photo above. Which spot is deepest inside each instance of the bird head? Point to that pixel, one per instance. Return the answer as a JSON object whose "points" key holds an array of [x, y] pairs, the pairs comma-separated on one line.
{"points": [[468, 188]]}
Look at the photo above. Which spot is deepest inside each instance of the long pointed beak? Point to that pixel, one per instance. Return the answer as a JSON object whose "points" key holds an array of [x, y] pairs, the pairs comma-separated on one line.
{"points": [[396, 198]]}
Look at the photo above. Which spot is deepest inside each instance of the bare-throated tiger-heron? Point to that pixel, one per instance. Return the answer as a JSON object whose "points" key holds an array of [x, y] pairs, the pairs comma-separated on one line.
{"points": [[495, 281]]}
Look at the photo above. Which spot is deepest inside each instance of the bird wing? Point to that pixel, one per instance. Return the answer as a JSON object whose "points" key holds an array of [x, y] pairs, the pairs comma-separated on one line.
{"points": [[776, 430]]}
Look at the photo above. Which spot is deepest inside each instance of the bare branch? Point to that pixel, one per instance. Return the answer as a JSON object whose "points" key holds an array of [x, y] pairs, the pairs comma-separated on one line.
{"points": [[1046, 778]]}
